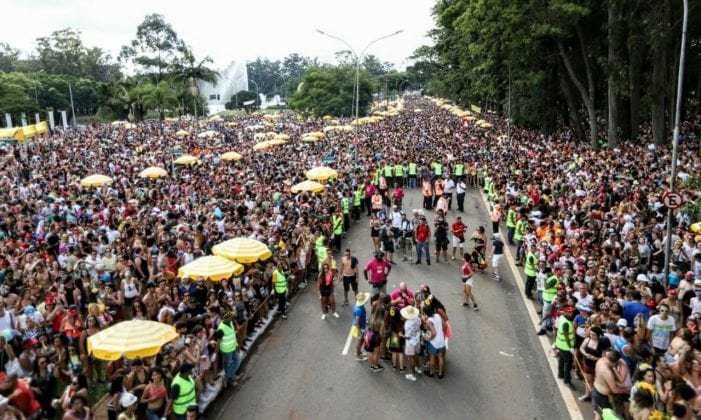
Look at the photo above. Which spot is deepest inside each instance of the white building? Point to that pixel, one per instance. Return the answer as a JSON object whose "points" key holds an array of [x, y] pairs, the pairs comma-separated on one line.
{"points": [[232, 79]]}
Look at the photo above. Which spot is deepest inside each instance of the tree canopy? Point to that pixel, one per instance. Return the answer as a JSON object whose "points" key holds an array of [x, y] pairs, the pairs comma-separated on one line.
{"points": [[328, 90]]}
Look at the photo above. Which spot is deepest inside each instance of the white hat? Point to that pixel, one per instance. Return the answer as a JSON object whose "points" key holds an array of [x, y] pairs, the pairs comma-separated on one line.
{"points": [[409, 312], [642, 277], [497, 235], [583, 305], [128, 399], [622, 323]]}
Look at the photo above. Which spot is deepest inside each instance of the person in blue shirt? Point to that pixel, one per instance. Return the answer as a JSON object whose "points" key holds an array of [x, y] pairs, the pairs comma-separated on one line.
{"points": [[359, 321], [635, 307]]}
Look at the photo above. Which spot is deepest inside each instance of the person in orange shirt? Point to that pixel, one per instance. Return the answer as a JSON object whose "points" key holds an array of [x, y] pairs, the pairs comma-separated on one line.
{"points": [[438, 189], [428, 194]]}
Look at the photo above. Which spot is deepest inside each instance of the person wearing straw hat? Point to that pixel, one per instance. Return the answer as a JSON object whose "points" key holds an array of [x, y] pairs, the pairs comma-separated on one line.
{"points": [[360, 323], [412, 339]]}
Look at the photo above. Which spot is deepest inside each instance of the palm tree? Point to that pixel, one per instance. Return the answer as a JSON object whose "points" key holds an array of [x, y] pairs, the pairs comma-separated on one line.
{"points": [[188, 68], [159, 97]]}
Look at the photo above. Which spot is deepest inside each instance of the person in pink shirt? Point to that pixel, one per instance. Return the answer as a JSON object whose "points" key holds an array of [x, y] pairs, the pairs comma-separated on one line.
{"points": [[401, 296], [379, 269]]}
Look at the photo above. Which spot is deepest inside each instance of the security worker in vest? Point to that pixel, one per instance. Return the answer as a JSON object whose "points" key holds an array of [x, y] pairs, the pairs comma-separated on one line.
{"points": [[345, 205], [564, 345], [280, 285], [552, 281], [511, 224], [183, 392], [358, 196], [412, 174], [229, 347], [337, 221], [399, 174], [530, 270], [387, 172]]}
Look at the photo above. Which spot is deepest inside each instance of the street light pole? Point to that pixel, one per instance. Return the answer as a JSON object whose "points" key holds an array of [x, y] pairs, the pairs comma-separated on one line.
{"points": [[70, 92], [675, 139], [357, 59]]}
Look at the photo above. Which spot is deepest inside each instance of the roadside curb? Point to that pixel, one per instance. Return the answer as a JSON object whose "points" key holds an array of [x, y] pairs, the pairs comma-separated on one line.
{"points": [[567, 395]]}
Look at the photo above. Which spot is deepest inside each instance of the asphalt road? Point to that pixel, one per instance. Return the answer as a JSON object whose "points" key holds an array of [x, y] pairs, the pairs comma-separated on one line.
{"points": [[495, 366]]}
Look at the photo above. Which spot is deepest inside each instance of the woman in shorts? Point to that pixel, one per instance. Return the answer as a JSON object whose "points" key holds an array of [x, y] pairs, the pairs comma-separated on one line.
{"points": [[412, 340], [373, 338], [326, 281], [466, 273]]}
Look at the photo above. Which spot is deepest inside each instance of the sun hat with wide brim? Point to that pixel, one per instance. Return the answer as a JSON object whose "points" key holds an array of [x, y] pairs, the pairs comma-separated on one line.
{"points": [[409, 312], [361, 298]]}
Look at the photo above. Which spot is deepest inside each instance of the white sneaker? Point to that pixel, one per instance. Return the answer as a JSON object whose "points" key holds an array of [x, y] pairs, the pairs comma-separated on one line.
{"points": [[410, 377], [323, 317], [418, 371], [335, 315]]}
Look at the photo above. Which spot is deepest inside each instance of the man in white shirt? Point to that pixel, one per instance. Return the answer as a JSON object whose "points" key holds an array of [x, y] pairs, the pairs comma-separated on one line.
{"points": [[448, 189], [460, 188], [661, 326]]}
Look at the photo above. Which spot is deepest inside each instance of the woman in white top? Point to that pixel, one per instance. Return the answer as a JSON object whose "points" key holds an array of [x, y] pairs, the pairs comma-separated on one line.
{"points": [[436, 345]]}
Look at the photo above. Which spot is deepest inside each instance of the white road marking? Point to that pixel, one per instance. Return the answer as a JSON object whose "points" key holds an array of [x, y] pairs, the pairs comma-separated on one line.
{"points": [[506, 354], [349, 340]]}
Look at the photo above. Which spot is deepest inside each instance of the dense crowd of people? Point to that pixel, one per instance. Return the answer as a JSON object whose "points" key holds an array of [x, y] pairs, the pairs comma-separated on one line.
{"points": [[587, 226]]}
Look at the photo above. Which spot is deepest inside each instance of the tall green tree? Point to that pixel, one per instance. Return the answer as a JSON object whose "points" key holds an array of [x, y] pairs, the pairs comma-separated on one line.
{"points": [[328, 90], [160, 97], [155, 47]]}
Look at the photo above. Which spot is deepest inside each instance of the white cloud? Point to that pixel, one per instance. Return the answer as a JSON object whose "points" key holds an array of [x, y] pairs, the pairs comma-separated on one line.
{"points": [[232, 30]]}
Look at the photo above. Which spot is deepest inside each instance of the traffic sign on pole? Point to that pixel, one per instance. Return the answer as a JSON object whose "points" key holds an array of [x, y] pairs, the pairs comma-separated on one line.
{"points": [[672, 200]]}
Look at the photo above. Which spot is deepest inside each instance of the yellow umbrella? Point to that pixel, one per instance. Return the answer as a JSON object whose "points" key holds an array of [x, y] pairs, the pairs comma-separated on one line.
{"points": [[186, 160], [211, 267], [231, 156], [276, 142], [312, 186], [96, 180], [696, 227], [327, 117], [182, 133], [135, 338], [242, 250], [262, 145], [310, 139], [208, 133], [486, 125], [153, 172], [282, 137], [259, 136], [321, 173], [270, 135]]}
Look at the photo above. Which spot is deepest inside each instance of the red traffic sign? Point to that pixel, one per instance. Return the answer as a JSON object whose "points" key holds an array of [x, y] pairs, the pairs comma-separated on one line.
{"points": [[672, 200]]}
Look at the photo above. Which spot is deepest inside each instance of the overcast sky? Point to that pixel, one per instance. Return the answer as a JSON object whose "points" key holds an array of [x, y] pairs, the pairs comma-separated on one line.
{"points": [[232, 30]]}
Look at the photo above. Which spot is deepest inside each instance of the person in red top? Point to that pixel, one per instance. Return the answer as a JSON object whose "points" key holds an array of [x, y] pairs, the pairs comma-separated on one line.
{"points": [[21, 397], [423, 235], [401, 296], [379, 269], [458, 229], [397, 195]]}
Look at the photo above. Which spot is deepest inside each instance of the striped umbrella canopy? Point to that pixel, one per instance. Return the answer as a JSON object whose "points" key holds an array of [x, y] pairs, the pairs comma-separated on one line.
{"points": [[135, 338], [96, 180], [242, 250], [211, 267], [153, 172], [231, 156]]}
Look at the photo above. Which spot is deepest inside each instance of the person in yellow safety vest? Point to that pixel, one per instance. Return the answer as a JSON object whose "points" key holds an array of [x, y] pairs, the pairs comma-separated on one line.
{"points": [[337, 223], [552, 281], [565, 346], [487, 181], [228, 347], [280, 286], [428, 194], [358, 196], [530, 269], [459, 170], [520, 237], [412, 174], [437, 169], [387, 172], [345, 206], [399, 174], [183, 392], [511, 224], [376, 177], [491, 192]]}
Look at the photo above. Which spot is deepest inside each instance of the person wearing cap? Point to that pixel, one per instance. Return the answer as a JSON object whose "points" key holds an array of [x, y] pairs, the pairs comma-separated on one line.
{"points": [[412, 339], [379, 270], [565, 345], [183, 392], [497, 254], [360, 323]]}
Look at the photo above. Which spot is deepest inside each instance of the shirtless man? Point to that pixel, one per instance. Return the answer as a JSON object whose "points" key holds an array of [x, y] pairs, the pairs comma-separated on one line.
{"points": [[607, 381], [349, 272]]}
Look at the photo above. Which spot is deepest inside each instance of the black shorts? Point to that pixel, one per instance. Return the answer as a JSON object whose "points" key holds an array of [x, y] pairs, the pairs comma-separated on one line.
{"points": [[388, 246], [350, 282], [442, 244], [599, 401], [326, 291]]}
